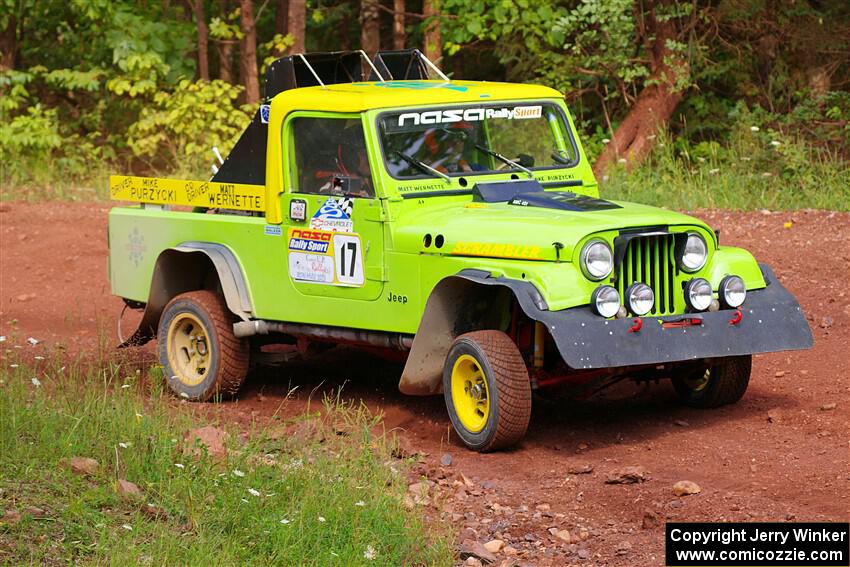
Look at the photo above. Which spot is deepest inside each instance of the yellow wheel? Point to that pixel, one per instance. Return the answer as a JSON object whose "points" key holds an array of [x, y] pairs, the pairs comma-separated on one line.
{"points": [[200, 355], [698, 380], [722, 382], [469, 393], [187, 349], [487, 390]]}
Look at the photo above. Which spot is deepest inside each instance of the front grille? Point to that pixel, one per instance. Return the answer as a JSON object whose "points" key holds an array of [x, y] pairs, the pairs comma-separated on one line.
{"points": [[650, 259]]}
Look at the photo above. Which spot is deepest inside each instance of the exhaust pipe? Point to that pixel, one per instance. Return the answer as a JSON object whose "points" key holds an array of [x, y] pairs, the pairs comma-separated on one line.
{"points": [[244, 329]]}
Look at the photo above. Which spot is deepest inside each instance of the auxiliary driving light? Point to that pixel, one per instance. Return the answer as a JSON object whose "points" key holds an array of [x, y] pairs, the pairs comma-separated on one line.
{"points": [[732, 292], [605, 301], [694, 253], [639, 298], [698, 294]]}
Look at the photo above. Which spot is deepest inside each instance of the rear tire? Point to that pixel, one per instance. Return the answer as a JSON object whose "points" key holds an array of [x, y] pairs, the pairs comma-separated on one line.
{"points": [[487, 390], [200, 355], [718, 384]]}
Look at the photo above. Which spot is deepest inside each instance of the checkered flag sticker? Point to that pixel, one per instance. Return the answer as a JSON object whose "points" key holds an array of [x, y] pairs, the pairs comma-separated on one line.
{"points": [[346, 204]]}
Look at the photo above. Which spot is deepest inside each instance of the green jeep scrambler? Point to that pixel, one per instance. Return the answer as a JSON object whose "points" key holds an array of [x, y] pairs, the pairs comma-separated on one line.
{"points": [[456, 222]]}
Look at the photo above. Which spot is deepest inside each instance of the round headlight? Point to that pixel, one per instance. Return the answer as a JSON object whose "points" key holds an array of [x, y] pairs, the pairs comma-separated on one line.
{"points": [[698, 294], [605, 301], [639, 298], [694, 253], [596, 260], [732, 292]]}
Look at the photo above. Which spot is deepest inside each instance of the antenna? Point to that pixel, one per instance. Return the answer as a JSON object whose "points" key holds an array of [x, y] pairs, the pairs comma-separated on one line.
{"points": [[434, 67], [310, 67], [372, 65]]}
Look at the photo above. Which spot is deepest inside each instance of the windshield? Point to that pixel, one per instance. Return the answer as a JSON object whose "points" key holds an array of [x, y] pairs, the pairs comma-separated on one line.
{"points": [[475, 139]]}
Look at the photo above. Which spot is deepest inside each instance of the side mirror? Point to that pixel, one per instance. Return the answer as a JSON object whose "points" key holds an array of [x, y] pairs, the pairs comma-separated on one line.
{"points": [[525, 160]]}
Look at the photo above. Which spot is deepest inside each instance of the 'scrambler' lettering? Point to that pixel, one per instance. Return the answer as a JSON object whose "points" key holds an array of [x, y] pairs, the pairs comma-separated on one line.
{"points": [[520, 251]]}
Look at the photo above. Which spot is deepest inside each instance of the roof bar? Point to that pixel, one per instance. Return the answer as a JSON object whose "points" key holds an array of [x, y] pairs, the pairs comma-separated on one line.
{"points": [[310, 67], [372, 65], [434, 67]]}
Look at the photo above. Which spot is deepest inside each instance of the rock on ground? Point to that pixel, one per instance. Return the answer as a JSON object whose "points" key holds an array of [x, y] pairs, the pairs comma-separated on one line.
{"points": [[685, 488], [478, 551], [82, 465], [128, 489], [627, 475], [210, 437]]}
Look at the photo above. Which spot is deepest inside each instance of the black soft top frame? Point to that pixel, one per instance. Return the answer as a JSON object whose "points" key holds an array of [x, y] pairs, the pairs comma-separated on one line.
{"points": [[246, 163]]}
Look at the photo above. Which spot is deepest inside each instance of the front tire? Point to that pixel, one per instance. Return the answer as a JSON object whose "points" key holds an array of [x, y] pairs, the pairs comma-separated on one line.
{"points": [[487, 390], [200, 355], [723, 382]]}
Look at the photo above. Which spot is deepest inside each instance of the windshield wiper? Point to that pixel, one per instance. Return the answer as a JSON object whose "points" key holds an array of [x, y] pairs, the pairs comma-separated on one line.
{"points": [[421, 166], [505, 160]]}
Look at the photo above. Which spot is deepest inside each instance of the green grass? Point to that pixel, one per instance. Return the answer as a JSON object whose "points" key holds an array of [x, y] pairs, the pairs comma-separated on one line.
{"points": [[214, 515], [750, 173]]}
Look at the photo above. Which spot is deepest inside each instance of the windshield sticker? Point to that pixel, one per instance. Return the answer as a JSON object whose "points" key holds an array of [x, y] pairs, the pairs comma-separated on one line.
{"points": [[452, 115], [325, 257], [334, 215]]}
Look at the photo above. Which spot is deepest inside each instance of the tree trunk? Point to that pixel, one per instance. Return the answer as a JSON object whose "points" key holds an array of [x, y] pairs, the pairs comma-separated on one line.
{"points": [[297, 24], [281, 17], [203, 40], [248, 53], [399, 36], [634, 137], [9, 44], [370, 27], [225, 60], [433, 42]]}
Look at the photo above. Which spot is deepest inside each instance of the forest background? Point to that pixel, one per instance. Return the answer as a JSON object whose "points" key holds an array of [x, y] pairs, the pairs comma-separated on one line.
{"points": [[720, 103]]}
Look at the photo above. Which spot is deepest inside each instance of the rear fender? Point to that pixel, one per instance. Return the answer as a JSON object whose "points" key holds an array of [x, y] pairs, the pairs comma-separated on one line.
{"points": [[469, 301], [192, 266]]}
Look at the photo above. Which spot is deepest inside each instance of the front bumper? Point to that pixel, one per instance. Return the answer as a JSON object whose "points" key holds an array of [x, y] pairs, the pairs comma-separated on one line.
{"points": [[771, 321]]}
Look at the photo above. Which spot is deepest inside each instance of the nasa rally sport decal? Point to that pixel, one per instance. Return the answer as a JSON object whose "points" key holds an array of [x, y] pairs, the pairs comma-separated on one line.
{"points": [[325, 257], [334, 215], [451, 115]]}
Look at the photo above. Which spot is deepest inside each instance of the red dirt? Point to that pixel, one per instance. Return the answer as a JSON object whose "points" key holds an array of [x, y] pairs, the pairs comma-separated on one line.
{"points": [[777, 455]]}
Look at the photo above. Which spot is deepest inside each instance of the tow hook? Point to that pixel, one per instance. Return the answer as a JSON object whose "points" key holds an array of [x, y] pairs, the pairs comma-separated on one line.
{"points": [[736, 318], [636, 326]]}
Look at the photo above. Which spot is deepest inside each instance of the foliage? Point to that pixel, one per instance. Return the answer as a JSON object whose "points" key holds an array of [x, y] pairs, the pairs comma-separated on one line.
{"points": [[327, 499], [758, 169], [109, 85], [179, 129]]}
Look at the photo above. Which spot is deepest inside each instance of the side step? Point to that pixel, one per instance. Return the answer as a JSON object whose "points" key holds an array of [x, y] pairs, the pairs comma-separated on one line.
{"points": [[398, 341]]}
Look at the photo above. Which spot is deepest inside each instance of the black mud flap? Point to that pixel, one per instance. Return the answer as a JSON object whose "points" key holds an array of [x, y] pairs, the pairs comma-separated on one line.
{"points": [[770, 320]]}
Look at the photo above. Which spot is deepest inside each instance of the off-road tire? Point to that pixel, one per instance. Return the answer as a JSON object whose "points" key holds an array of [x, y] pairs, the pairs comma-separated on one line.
{"points": [[229, 356], [509, 389], [727, 381]]}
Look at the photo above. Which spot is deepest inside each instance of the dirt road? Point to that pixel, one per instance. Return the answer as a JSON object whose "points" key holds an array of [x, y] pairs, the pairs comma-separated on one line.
{"points": [[781, 454]]}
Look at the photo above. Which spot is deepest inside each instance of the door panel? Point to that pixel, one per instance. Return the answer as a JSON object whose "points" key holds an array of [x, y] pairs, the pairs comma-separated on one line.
{"points": [[336, 256]]}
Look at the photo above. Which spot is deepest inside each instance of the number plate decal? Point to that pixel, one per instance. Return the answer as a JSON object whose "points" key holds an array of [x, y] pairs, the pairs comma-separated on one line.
{"points": [[349, 259], [325, 257]]}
